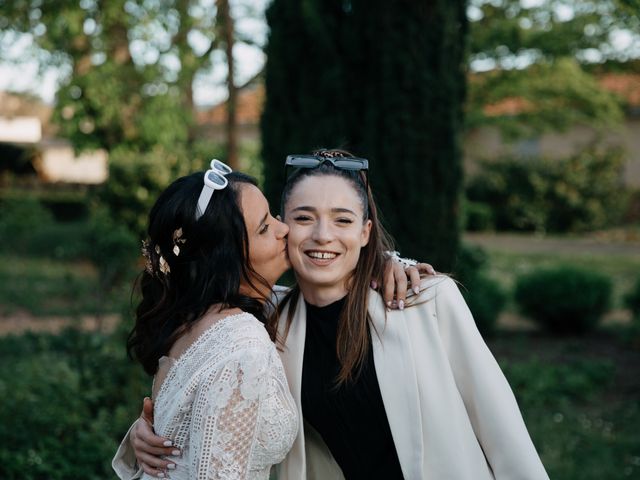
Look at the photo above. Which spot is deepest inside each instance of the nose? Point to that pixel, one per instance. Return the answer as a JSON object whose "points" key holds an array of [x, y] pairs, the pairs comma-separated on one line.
{"points": [[321, 232], [282, 229]]}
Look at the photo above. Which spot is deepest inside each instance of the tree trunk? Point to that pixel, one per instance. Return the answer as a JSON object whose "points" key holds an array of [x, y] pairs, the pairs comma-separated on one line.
{"points": [[226, 32]]}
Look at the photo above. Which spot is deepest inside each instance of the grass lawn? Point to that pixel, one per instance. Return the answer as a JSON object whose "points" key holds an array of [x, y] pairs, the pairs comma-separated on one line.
{"points": [[45, 287], [580, 398]]}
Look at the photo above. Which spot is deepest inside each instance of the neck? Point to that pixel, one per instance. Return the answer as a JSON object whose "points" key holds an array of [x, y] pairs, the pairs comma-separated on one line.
{"points": [[321, 296]]}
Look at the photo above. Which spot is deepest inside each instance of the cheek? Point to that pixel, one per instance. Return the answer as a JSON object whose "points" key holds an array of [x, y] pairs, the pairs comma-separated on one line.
{"points": [[294, 236]]}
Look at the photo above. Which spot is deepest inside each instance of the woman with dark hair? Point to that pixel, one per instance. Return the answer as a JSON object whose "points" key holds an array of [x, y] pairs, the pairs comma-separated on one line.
{"points": [[213, 254]]}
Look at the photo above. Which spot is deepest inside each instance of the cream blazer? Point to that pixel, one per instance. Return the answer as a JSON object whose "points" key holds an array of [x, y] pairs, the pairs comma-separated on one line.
{"points": [[451, 411]]}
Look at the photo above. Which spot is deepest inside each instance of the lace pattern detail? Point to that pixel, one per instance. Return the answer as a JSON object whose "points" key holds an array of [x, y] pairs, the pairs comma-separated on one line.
{"points": [[226, 404]]}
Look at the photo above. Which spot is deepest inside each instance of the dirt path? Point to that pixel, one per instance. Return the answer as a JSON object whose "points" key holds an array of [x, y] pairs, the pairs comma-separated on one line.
{"points": [[22, 322], [522, 243]]}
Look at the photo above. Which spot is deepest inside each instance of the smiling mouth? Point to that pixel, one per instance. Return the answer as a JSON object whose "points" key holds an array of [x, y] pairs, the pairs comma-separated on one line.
{"points": [[321, 257]]}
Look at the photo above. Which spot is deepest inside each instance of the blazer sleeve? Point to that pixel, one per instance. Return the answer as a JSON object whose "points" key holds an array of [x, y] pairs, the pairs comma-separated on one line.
{"points": [[124, 463], [489, 401]]}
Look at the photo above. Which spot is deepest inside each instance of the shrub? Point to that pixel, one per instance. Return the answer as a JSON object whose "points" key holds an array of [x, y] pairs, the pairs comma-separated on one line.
{"points": [[632, 300], [19, 218], [564, 300], [478, 217], [485, 297], [579, 193], [67, 401], [113, 249]]}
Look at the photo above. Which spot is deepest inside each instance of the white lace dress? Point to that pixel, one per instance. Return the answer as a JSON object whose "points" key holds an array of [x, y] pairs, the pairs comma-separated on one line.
{"points": [[226, 404]]}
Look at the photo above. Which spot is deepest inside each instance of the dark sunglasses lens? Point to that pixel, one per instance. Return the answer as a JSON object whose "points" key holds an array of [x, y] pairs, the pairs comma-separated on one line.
{"points": [[216, 178], [349, 164], [304, 162]]}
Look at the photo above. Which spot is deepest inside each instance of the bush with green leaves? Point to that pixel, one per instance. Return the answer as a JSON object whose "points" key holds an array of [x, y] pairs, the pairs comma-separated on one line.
{"points": [[483, 295], [565, 299], [580, 193], [19, 219], [477, 217], [113, 249], [67, 400], [632, 300]]}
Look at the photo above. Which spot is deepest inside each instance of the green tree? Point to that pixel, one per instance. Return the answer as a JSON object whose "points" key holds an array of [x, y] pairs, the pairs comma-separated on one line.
{"points": [[386, 80], [541, 56]]}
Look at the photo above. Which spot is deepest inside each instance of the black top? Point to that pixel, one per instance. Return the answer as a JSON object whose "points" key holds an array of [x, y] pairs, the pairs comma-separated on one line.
{"points": [[351, 419]]}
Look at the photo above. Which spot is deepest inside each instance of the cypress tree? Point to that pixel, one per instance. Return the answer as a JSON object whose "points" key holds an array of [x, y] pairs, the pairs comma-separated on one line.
{"points": [[385, 80]]}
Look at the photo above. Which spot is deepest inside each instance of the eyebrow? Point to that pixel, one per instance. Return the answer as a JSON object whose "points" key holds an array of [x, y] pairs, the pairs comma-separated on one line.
{"points": [[306, 208]]}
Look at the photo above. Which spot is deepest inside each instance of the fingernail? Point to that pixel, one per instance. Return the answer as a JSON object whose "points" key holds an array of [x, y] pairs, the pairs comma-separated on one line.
{"points": [[389, 303], [416, 289], [432, 271], [171, 466], [175, 453], [167, 443], [374, 284], [160, 475], [401, 304]]}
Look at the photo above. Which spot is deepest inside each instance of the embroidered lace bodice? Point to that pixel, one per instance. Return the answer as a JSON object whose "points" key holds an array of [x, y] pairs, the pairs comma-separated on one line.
{"points": [[226, 404]]}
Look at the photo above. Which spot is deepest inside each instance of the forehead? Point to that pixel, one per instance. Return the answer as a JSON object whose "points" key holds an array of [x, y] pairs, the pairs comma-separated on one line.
{"points": [[253, 203], [325, 192]]}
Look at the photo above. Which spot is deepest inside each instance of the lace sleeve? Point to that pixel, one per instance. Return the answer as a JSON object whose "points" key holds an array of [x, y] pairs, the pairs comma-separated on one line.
{"points": [[225, 415]]}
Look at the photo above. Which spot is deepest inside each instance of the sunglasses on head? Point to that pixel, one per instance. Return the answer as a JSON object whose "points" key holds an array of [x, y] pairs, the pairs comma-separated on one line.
{"points": [[354, 164], [214, 179]]}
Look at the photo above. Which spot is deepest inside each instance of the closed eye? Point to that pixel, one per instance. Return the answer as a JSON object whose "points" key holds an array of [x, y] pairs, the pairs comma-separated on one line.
{"points": [[345, 221], [302, 218], [264, 229]]}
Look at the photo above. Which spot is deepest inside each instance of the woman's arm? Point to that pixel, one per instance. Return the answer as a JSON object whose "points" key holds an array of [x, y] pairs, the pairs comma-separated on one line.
{"points": [[142, 450], [487, 396]]}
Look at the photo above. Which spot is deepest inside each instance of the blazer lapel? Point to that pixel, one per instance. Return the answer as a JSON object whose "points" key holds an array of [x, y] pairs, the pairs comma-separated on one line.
{"points": [[292, 356], [393, 359]]}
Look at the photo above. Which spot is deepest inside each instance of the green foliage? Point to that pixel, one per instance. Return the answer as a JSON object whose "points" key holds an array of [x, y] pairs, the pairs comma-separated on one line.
{"points": [[19, 218], [344, 74], [541, 54], [578, 400], [580, 193], [504, 28], [484, 296], [135, 181], [552, 97], [566, 300], [67, 401], [478, 217], [113, 249], [43, 286], [540, 384], [632, 300]]}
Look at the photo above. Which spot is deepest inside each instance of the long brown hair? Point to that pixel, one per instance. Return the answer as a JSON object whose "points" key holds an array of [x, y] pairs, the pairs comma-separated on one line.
{"points": [[353, 338]]}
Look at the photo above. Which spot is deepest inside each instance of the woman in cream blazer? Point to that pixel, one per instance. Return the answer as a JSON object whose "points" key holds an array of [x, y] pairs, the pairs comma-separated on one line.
{"points": [[451, 411]]}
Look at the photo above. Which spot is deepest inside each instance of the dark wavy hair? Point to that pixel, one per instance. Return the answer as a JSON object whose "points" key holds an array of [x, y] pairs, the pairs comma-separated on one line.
{"points": [[353, 339], [212, 261]]}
